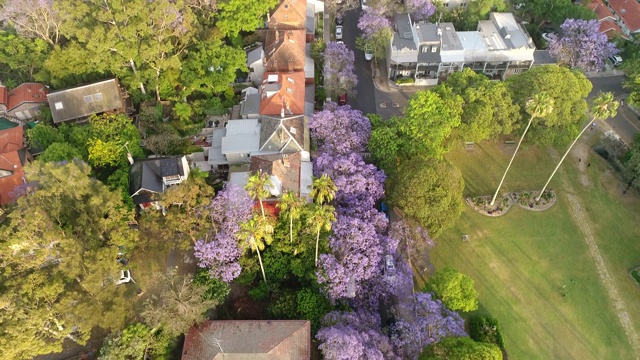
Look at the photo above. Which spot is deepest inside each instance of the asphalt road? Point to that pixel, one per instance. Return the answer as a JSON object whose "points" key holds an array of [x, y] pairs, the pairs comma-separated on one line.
{"points": [[625, 123], [364, 99]]}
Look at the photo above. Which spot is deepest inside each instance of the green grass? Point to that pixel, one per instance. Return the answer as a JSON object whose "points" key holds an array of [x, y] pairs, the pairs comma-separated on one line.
{"points": [[524, 261]]}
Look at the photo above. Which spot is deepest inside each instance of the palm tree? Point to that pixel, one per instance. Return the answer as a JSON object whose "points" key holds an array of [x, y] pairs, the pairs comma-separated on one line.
{"points": [[253, 234], [323, 190], [293, 204], [320, 218], [256, 187], [539, 106], [603, 107]]}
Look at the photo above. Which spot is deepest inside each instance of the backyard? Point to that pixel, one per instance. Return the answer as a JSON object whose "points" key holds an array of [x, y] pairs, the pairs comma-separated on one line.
{"points": [[534, 271]]}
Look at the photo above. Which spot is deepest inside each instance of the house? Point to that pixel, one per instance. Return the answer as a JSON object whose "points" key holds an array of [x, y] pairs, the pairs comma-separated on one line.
{"points": [[295, 15], [250, 103], [248, 339], [627, 14], [428, 52], [284, 50], [255, 64], [608, 22], [282, 94], [148, 177], [455, 4], [284, 135], [24, 102], [79, 103], [13, 156], [288, 172]]}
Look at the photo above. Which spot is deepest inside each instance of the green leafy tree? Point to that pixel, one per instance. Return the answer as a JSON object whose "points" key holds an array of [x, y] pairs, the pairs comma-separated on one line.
{"points": [[567, 89], [177, 303], [59, 267], [429, 191], [256, 187], [323, 190], [235, 16], [210, 67], [320, 218], [22, 59], [41, 136], [488, 109], [253, 235], [461, 348], [455, 289], [313, 306], [292, 205], [137, 341], [182, 111], [107, 138], [632, 169], [60, 151]]}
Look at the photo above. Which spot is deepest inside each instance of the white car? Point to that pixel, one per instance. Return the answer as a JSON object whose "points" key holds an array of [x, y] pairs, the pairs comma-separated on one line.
{"points": [[390, 267], [549, 36], [339, 32], [616, 60], [364, 4], [368, 53], [125, 277]]}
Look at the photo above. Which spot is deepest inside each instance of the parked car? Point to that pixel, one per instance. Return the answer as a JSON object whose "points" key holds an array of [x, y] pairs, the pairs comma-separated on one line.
{"points": [[616, 60], [339, 19], [548, 36], [364, 4], [385, 209], [125, 277], [368, 52], [389, 265], [339, 32], [342, 99]]}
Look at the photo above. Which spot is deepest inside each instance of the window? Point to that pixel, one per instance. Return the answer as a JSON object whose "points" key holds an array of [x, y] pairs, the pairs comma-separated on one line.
{"points": [[289, 90], [446, 4], [517, 71], [88, 99], [290, 79], [425, 49], [58, 105], [434, 49], [97, 96], [463, 4]]}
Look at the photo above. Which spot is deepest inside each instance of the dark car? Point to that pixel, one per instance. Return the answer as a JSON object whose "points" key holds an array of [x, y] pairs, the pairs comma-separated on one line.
{"points": [[342, 99]]}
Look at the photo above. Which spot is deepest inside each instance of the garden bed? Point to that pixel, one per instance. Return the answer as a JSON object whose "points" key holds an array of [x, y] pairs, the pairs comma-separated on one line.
{"points": [[482, 205], [527, 200]]}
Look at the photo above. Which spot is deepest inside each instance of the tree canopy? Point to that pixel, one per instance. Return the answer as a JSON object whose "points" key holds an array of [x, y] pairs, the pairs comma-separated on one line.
{"points": [[435, 189], [568, 89], [461, 348], [582, 45], [455, 289]]}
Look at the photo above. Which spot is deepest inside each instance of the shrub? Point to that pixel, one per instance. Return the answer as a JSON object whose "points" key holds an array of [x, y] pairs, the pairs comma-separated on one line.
{"points": [[405, 80], [486, 329]]}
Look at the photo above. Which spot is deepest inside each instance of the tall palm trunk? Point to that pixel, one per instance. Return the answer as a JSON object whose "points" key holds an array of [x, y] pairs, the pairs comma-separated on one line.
{"points": [[511, 161], [264, 277], [317, 245], [290, 229], [561, 160], [262, 209]]}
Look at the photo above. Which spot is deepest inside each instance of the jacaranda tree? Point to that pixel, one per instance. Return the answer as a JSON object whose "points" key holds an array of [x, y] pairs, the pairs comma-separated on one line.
{"points": [[340, 130], [339, 75], [582, 45]]}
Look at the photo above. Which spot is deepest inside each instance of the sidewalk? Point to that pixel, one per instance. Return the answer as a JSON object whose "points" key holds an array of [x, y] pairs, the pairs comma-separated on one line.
{"points": [[607, 73]]}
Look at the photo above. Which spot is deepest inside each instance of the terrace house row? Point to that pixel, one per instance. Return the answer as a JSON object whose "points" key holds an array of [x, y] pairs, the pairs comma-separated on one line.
{"points": [[429, 52]]}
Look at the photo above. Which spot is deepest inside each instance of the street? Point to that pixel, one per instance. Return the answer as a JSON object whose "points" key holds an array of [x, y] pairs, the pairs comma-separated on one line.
{"points": [[625, 123]]}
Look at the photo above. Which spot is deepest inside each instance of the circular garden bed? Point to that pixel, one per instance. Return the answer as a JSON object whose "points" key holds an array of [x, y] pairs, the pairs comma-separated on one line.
{"points": [[482, 204], [527, 200]]}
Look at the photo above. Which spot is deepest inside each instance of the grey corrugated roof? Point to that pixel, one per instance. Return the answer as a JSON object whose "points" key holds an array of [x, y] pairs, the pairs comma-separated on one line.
{"points": [[428, 57], [403, 37], [450, 39], [83, 101], [148, 173], [427, 32]]}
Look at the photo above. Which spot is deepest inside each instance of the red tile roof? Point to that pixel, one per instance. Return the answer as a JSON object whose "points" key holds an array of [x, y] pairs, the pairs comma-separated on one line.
{"points": [[3, 95], [289, 14], [284, 50], [282, 93], [611, 29], [10, 162], [601, 10], [629, 11], [11, 139], [27, 92], [248, 339], [286, 167]]}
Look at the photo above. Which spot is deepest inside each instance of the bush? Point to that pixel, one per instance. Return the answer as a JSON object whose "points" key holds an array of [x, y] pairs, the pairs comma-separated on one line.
{"points": [[405, 80], [486, 329]]}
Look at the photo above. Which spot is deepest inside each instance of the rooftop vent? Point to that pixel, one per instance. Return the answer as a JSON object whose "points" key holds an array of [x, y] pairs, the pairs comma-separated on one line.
{"points": [[292, 130], [272, 78]]}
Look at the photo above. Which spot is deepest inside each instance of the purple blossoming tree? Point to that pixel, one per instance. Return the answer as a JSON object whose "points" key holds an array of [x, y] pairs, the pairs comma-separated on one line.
{"points": [[356, 256], [340, 130], [339, 75], [354, 336], [420, 9], [582, 45], [372, 21], [219, 250], [423, 321]]}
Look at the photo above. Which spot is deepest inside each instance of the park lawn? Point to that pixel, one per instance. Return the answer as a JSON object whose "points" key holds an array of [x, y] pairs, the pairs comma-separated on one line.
{"points": [[523, 263]]}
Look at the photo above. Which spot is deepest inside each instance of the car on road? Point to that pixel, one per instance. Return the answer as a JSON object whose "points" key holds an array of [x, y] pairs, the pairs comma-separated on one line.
{"points": [[364, 4], [548, 36], [389, 265], [616, 60], [339, 32], [368, 52]]}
